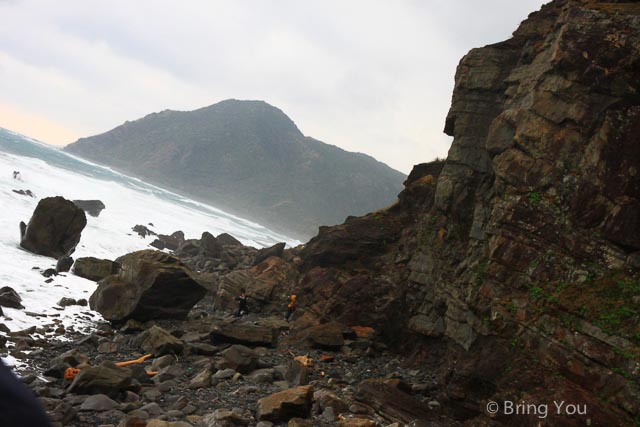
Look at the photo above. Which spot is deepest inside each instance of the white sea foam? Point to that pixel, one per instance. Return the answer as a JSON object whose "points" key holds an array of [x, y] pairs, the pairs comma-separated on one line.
{"points": [[107, 236]]}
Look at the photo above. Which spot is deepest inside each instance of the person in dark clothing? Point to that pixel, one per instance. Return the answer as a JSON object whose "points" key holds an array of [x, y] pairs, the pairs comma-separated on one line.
{"points": [[243, 304], [18, 405]]}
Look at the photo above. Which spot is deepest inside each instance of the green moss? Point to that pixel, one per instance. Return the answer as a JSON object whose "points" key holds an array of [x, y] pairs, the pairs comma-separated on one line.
{"points": [[535, 197], [606, 301], [536, 292]]}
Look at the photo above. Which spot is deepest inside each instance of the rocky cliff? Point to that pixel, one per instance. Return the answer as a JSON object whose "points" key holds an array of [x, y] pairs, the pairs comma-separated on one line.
{"points": [[511, 270], [247, 157]]}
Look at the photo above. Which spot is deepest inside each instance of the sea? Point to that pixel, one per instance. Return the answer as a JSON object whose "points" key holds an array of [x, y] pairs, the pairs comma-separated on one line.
{"points": [[46, 171]]}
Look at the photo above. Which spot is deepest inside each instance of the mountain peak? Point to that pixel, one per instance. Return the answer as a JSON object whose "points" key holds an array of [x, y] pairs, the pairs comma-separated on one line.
{"points": [[250, 158]]}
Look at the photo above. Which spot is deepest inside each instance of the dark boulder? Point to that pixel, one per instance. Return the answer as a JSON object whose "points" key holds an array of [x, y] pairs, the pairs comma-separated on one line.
{"points": [[95, 269], [106, 378], [143, 231], [275, 250], [65, 302], [158, 244], [92, 207], [54, 229], [10, 298], [64, 264], [226, 239], [178, 235], [165, 241], [49, 272], [209, 246], [188, 248], [150, 285]]}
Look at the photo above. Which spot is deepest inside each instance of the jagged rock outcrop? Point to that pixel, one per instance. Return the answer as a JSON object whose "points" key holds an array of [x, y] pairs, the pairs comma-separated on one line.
{"points": [[94, 268], [276, 250], [149, 285], [518, 257], [209, 254], [54, 229], [267, 284]]}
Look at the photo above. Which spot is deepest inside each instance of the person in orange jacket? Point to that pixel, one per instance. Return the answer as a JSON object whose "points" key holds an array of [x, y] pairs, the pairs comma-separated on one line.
{"points": [[291, 307]]}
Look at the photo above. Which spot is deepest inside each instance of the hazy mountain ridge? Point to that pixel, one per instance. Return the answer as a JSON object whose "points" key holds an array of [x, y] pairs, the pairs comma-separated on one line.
{"points": [[249, 157]]}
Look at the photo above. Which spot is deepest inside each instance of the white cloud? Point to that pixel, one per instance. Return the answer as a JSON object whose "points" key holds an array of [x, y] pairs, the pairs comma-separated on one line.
{"points": [[369, 76]]}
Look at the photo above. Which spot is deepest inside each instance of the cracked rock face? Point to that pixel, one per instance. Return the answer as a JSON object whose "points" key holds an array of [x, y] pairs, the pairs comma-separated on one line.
{"points": [[478, 266]]}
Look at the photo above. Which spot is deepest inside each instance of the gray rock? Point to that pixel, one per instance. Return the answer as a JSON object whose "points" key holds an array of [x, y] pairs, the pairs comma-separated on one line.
{"points": [[158, 342], [202, 380], [153, 409], [99, 402], [224, 374], [239, 358]]}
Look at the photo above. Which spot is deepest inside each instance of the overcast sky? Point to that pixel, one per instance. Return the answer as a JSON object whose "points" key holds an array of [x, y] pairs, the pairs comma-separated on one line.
{"points": [[367, 75]]}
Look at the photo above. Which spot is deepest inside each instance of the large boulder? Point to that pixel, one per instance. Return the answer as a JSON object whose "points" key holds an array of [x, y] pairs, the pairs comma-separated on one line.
{"points": [[287, 404], [95, 269], [54, 229], [92, 207], [209, 246], [150, 285], [106, 378]]}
